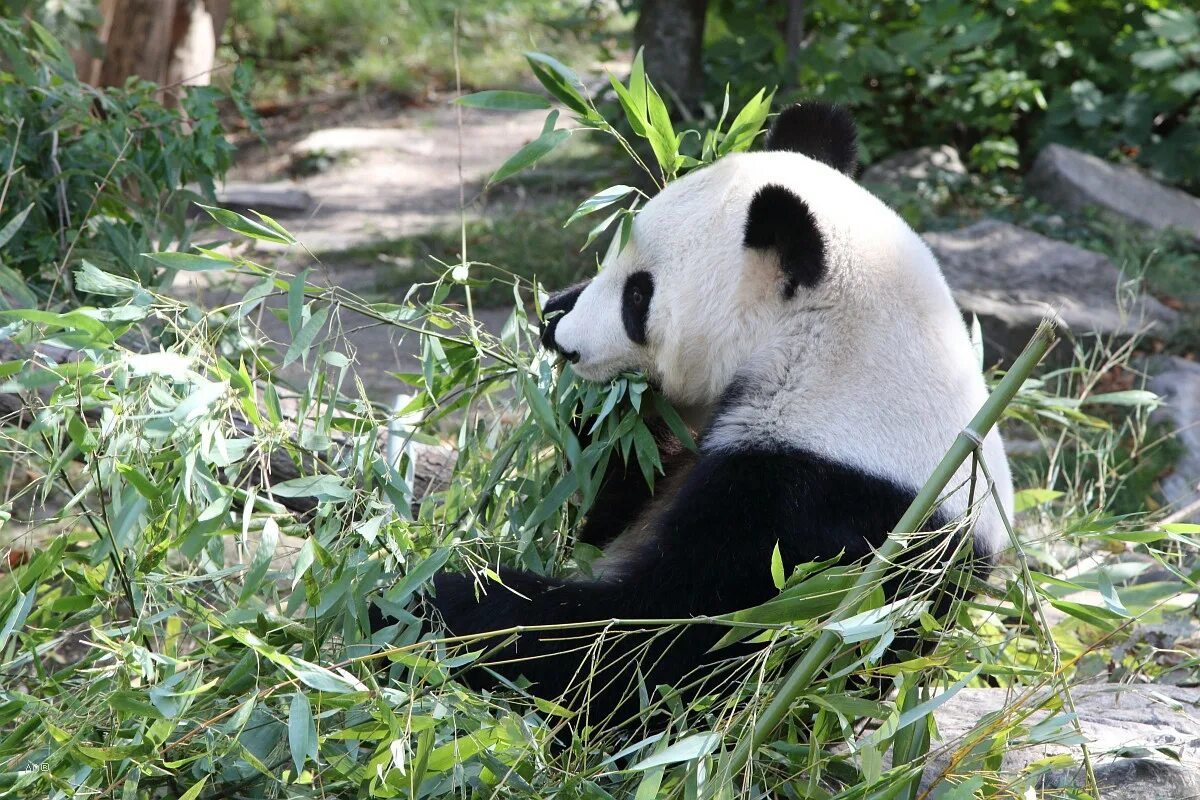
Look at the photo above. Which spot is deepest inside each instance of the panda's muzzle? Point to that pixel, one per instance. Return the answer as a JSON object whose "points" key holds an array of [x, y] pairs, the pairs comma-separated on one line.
{"points": [[554, 310]]}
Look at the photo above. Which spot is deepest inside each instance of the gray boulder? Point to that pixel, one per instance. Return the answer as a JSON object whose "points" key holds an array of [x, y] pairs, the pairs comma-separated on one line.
{"points": [[1177, 381], [279, 198], [1011, 277], [912, 167], [1070, 179], [1144, 740]]}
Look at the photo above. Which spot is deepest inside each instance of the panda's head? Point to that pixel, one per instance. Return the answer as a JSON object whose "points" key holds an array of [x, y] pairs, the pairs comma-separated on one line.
{"points": [[722, 261]]}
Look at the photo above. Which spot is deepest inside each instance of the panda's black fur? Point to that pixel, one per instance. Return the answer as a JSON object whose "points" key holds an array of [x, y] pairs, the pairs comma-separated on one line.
{"points": [[709, 543]]}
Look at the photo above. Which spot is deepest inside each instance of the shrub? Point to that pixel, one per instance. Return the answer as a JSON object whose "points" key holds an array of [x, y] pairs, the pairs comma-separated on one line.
{"points": [[155, 642], [996, 78], [96, 175]]}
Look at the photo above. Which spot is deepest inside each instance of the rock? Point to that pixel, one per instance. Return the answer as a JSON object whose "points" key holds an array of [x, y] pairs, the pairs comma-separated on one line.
{"points": [[1177, 381], [1074, 180], [341, 141], [905, 170], [1011, 277], [279, 198], [1128, 729]]}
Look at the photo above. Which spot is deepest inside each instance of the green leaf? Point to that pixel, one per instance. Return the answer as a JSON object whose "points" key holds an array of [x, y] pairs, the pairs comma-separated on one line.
{"points": [[93, 280], [686, 749], [16, 617], [530, 154], [416, 577], [967, 790], [1032, 498], [747, 124], [638, 82], [302, 731], [777, 575], [561, 82], [1136, 398], [635, 114], [600, 228], [601, 199], [322, 487], [247, 227], [661, 134], [321, 679], [503, 101], [305, 336], [195, 790], [13, 225], [296, 303], [1108, 592], [267, 543], [190, 262], [1158, 59]]}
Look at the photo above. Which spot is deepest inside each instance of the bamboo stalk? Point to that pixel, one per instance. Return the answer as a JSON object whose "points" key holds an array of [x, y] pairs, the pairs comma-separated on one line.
{"points": [[801, 676]]}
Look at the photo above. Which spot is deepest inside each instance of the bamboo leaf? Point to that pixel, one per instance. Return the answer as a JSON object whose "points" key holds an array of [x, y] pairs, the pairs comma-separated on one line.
{"points": [[302, 731], [530, 154], [601, 199], [503, 101], [777, 576], [687, 749], [322, 487], [13, 225], [560, 81], [190, 262], [247, 227], [305, 336]]}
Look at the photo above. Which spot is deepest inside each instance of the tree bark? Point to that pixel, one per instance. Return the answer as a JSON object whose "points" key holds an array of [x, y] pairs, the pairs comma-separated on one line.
{"points": [[194, 41], [137, 40], [170, 42], [794, 30], [672, 34]]}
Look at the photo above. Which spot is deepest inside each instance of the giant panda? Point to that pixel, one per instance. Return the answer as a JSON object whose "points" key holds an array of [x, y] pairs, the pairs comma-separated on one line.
{"points": [[809, 336]]}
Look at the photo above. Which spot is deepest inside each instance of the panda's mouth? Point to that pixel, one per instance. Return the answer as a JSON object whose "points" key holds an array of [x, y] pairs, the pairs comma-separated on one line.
{"points": [[597, 372]]}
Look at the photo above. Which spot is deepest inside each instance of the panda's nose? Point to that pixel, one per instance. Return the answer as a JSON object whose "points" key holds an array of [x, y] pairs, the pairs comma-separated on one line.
{"points": [[557, 307]]}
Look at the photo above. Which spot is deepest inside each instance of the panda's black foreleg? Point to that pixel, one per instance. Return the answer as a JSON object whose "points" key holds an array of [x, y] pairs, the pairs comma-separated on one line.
{"points": [[595, 668]]}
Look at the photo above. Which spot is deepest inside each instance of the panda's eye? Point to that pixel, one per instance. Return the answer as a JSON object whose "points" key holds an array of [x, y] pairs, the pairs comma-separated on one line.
{"points": [[635, 305]]}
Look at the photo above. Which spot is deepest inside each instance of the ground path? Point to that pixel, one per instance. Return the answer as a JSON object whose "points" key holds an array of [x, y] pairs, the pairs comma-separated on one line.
{"points": [[389, 173]]}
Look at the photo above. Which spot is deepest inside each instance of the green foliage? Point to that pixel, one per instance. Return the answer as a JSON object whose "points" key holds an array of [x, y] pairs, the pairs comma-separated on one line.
{"points": [[996, 78], [91, 175], [301, 46], [201, 529]]}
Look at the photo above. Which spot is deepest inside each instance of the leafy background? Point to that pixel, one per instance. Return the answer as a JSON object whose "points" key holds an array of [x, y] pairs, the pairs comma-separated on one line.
{"points": [[192, 620]]}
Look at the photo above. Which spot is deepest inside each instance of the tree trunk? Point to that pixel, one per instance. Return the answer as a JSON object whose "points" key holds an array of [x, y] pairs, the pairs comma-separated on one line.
{"points": [[672, 33], [137, 40], [196, 34], [170, 42], [794, 30]]}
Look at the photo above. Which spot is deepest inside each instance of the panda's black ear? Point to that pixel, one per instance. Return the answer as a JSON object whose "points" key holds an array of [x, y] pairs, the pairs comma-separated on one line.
{"points": [[821, 131], [780, 222]]}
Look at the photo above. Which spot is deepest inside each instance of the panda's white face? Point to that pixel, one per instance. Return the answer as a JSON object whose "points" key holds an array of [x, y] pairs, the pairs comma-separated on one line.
{"points": [[684, 300]]}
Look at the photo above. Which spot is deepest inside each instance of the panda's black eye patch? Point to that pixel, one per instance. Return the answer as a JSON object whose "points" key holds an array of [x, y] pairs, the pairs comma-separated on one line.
{"points": [[635, 305]]}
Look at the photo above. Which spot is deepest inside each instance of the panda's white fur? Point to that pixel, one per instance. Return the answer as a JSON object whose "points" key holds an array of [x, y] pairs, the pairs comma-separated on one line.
{"points": [[875, 362], [808, 334]]}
